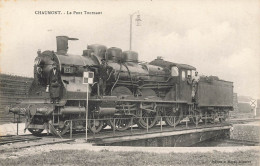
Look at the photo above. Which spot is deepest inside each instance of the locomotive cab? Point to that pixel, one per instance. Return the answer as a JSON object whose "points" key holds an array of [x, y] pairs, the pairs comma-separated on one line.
{"points": [[180, 76], [185, 82]]}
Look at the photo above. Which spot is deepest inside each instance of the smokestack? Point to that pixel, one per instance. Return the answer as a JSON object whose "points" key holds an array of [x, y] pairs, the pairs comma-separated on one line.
{"points": [[62, 44]]}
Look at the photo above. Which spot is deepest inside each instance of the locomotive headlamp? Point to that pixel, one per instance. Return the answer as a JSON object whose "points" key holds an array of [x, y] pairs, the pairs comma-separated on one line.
{"points": [[39, 70]]}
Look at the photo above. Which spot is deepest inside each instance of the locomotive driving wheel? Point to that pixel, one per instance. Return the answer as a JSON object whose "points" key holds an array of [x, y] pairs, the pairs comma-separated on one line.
{"points": [[173, 116], [120, 122], [147, 119], [148, 115]]}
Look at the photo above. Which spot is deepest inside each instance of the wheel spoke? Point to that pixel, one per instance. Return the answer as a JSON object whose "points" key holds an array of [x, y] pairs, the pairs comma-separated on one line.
{"points": [[121, 123], [152, 119]]}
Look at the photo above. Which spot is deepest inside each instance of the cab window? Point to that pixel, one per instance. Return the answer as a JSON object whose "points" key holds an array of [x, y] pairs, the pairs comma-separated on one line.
{"points": [[183, 75], [174, 71], [193, 73], [189, 73]]}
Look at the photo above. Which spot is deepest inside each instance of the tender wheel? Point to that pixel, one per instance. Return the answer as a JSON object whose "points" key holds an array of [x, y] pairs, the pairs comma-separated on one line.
{"points": [[224, 117], [35, 132], [152, 119], [213, 117], [210, 119], [60, 129], [95, 125], [171, 114], [196, 116], [204, 120], [120, 123]]}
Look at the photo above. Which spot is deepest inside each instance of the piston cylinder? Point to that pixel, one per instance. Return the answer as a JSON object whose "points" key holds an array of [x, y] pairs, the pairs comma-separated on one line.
{"points": [[106, 111], [72, 110]]}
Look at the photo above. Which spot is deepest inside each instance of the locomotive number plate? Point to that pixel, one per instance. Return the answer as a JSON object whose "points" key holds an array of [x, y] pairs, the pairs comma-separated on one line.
{"points": [[67, 70]]}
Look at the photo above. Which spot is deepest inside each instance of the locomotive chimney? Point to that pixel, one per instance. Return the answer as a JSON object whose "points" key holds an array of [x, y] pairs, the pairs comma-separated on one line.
{"points": [[62, 44]]}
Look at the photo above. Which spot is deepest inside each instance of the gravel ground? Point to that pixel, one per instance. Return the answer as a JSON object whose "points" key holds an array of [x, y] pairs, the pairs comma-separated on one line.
{"points": [[80, 145], [86, 154]]}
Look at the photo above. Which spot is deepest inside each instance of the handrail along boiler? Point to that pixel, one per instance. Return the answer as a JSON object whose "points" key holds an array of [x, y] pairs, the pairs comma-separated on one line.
{"points": [[125, 91]]}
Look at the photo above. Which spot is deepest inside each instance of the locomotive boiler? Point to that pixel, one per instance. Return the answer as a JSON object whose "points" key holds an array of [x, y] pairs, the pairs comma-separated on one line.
{"points": [[125, 91]]}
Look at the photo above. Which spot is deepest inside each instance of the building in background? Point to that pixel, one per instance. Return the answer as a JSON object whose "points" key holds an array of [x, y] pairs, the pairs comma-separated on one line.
{"points": [[258, 107], [12, 89], [247, 104]]}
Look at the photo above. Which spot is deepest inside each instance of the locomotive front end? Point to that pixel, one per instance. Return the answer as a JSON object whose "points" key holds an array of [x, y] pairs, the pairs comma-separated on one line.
{"points": [[57, 78], [37, 107]]}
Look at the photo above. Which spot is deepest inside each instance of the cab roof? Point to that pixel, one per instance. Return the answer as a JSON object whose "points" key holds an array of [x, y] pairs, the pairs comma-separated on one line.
{"points": [[162, 63]]}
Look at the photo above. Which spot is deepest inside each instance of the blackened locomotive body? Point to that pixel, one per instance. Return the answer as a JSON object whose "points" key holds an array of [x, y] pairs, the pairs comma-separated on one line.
{"points": [[125, 91]]}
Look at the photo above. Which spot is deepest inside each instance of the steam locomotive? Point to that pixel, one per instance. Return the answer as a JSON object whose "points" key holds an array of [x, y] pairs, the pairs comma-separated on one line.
{"points": [[125, 92]]}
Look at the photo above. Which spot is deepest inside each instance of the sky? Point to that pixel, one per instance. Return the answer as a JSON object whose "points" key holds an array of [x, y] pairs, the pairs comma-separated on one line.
{"points": [[220, 38]]}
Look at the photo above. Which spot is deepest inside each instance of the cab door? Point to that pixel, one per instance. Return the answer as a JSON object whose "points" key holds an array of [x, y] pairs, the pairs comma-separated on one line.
{"points": [[185, 86]]}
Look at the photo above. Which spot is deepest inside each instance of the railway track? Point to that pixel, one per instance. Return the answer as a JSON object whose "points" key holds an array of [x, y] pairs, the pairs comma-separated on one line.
{"points": [[240, 121], [14, 139], [9, 143]]}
